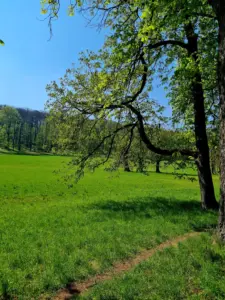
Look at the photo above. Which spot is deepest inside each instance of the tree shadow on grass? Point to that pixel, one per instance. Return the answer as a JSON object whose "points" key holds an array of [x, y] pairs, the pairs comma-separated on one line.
{"points": [[174, 210], [162, 172], [26, 153]]}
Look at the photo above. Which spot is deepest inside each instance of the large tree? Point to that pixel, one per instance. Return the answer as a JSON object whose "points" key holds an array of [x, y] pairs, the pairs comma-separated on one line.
{"points": [[157, 29], [219, 9]]}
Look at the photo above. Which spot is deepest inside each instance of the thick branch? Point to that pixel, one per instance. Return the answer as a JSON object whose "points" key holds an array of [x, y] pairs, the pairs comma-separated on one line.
{"points": [[148, 143], [127, 148], [145, 65], [215, 5], [166, 43]]}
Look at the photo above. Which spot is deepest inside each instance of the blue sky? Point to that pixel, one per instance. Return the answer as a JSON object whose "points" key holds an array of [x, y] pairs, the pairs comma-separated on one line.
{"points": [[28, 61]]}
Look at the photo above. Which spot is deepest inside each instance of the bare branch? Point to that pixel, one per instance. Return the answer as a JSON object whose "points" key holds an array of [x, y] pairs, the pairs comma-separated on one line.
{"points": [[130, 140], [143, 82], [84, 159]]}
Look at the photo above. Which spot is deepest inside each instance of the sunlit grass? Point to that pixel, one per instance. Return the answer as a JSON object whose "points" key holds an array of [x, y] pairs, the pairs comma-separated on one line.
{"points": [[51, 235], [193, 270]]}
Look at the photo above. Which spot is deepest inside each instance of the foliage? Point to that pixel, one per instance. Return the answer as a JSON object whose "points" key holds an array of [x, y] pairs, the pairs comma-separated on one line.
{"points": [[141, 157], [115, 83], [9, 120], [95, 93], [24, 129]]}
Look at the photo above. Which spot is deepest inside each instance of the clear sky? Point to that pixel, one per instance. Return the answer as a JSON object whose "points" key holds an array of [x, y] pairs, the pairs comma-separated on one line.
{"points": [[28, 61]]}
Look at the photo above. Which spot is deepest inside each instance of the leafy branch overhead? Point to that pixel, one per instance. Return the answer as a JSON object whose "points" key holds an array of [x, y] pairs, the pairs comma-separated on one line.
{"points": [[140, 50]]}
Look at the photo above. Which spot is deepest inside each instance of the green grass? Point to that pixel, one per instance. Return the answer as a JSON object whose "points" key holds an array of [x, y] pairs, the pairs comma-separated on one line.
{"points": [[51, 235], [193, 270]]}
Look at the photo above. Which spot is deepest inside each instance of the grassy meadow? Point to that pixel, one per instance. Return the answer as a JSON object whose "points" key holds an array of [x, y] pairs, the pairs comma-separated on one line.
{"points": [[51, 234]]}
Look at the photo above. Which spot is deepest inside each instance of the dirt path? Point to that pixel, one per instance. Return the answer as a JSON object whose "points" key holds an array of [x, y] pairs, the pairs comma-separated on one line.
{"points": [[77, 288]]}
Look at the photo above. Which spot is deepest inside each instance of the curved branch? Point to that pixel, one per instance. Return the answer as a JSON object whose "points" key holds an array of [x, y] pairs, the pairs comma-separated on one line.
{"points": [[127, 148], [149, 144], [85, 158], [145, 65], [143, 81], [166, 43]]}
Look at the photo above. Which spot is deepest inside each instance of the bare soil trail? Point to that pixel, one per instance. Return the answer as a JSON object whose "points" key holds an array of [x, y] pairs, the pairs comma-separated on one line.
{"points": [[76, 288]]}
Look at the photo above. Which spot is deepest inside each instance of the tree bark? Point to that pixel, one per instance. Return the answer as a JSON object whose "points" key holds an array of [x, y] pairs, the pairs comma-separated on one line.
{"points": [[213, 161], [213, 167], [157, 166], [126, 152], [126, 163], [140, 167], [219, 8], [208, 199]]}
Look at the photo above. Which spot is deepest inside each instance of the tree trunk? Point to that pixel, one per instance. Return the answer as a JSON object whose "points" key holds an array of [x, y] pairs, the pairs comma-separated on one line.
{"points": [[219, 7], [126, 163], [208, 199], [140, 167], [20, 136], [213, 163], [14, 136], [36, 129], [125, 156], [157, 167], [213, 167], [31, 137], [8, 134]]}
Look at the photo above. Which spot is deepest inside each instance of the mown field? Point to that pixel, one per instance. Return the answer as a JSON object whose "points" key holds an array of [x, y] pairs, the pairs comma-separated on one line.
{"points": [[51, 234]]}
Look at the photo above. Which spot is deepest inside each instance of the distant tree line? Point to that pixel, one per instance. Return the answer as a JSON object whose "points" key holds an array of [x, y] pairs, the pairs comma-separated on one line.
{"points": [[37, 131], [24, 129]]}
